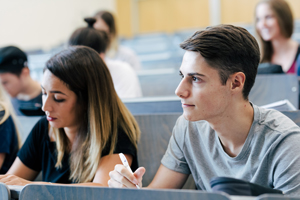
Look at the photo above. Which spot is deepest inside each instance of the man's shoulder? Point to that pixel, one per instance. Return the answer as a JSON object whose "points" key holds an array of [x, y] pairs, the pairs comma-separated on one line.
{"points": [[35, 99], [277, 121]]}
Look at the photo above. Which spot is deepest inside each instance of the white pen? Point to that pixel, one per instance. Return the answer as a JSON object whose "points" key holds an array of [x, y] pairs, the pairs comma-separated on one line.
{"points": [[125, 163]]}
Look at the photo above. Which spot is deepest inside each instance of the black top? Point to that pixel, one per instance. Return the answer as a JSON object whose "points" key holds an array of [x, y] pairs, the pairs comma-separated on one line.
{"points": [[32, 107], [8, 142], [39, 153]]}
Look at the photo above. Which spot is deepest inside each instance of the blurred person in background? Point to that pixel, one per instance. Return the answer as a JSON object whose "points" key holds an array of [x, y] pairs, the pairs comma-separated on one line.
{"points": [[274, 25], [106, 22], [124, 77], [10, 140], [26, 93]]}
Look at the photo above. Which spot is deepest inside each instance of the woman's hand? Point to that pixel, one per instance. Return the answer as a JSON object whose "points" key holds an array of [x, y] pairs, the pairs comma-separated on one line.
{"points": [[13, 180], [122, 178]]}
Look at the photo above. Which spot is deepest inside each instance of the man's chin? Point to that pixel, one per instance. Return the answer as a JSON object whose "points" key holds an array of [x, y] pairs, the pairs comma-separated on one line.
{"points": [[190, 117], [13, 95]]}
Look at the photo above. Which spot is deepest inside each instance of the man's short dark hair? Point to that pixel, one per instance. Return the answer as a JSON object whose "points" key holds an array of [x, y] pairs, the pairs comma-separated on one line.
{"points": [[229, 49], [12, 60]]}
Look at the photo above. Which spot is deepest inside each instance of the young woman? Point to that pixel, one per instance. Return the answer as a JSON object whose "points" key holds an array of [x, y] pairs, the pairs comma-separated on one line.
{"points": [[10, 140], [86, 125], [106, 22], [274, 26]]}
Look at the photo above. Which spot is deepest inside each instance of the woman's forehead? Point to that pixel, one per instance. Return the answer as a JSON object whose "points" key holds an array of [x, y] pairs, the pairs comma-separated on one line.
{"points": [[52, 82]]}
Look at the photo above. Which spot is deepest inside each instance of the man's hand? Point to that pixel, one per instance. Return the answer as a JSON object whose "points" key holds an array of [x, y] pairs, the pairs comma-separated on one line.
{"points": [[122, 178]]}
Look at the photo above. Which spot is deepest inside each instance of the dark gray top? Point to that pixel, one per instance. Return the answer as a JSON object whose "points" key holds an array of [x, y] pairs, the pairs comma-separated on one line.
{"points": [[32, 107]]}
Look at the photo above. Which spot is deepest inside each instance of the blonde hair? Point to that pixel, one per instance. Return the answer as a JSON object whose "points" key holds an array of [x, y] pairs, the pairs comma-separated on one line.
{"points": [[284, 16], [84, 72], [6, 105]]}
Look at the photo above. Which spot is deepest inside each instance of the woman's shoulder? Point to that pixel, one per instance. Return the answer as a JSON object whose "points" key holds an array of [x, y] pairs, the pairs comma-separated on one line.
{"points": [[4, 113], [40, 129], [42, 123]]}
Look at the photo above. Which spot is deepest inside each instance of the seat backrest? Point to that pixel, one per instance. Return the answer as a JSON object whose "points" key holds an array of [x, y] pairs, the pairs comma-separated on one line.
{"points": [[4, 192], [293, 115], [154, 105], [271, 88], [160, 84], [62, 192], [276, 197], [25, 125], [156, 130]]}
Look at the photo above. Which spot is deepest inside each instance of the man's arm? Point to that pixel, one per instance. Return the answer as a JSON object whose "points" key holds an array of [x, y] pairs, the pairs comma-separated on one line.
{"points": [[168, 179], [164, 178]]}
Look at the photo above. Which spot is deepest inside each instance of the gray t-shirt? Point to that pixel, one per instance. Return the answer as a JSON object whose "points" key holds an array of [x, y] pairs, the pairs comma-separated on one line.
{"points": [[270, 156]]}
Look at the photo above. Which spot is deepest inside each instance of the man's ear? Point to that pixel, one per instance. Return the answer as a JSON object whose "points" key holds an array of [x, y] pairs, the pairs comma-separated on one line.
{"points": [[25, 72], [238, 81], [102, 56]]}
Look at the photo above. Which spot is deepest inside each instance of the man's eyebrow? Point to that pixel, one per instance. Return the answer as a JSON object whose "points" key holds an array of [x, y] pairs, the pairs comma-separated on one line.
{"points": [[195, 73], [55, 91]]}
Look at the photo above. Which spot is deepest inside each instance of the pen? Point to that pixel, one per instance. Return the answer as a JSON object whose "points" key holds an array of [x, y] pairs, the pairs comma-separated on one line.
{"points": [[125, 163]]}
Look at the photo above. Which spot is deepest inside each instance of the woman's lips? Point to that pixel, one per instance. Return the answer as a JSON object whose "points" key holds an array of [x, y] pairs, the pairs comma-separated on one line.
{"points": [[50, 118]]}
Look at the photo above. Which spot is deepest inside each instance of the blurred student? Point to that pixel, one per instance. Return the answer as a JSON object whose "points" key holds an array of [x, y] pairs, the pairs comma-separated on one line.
{"points": [[9, 142], [86, 125], [274, 25], [124, 77], [26, 94], [220, 132], [106, 22]]}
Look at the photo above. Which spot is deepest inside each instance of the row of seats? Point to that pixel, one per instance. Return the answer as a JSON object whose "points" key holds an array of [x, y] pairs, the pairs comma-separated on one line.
{"points": [[76, 192], [267, 88], [156, 129]]}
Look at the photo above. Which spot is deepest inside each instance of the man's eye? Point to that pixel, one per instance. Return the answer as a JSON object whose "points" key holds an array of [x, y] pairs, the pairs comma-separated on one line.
{"points": [[195, 79]]}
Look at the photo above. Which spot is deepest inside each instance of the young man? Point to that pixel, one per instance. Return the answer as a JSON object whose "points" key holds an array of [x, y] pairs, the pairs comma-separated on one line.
{"points": [[220, 132], [26, 94]]}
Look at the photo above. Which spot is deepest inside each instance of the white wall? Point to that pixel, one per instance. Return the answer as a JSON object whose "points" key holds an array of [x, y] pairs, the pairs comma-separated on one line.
{"points": [[33, 24]]}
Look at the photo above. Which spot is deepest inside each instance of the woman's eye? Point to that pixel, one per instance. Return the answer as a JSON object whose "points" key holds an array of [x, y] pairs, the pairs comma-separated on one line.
{"points": [[59, 100], [269, 16], [181, 76]]}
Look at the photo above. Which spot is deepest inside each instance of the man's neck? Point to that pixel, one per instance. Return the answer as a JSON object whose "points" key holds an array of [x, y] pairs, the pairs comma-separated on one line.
{"points": [[233, 127], [30, 90]]}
